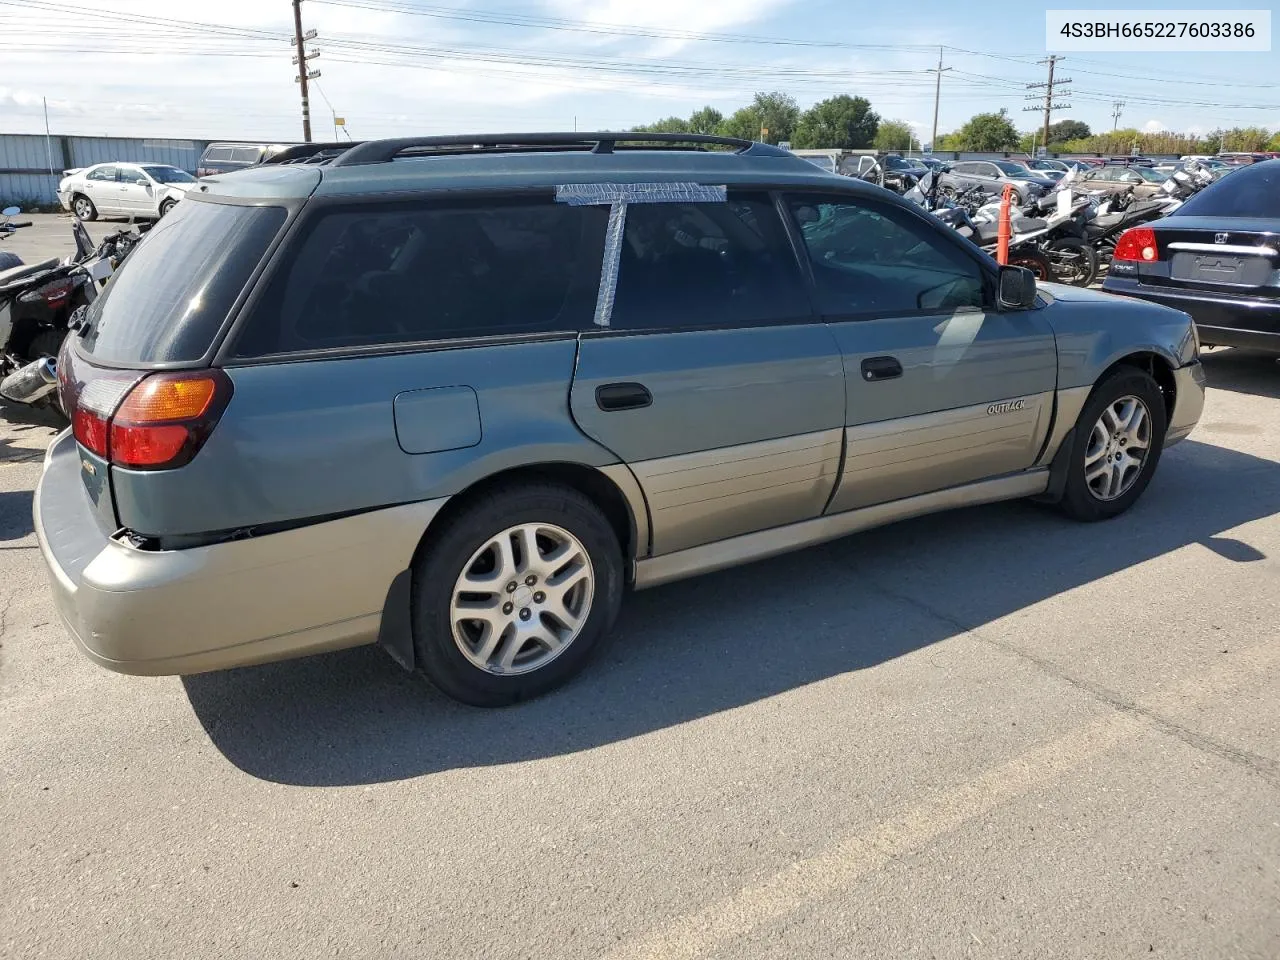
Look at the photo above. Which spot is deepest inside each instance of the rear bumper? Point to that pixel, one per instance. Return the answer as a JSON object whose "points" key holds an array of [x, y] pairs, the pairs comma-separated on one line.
{"points": [[1221, 320], [1188, 402], [320, 587]]}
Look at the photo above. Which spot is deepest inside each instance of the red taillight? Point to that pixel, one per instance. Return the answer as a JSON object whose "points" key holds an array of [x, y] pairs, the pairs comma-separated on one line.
{"points": [[160, 421], [1137, 243], [55, 294], [165, 418]]}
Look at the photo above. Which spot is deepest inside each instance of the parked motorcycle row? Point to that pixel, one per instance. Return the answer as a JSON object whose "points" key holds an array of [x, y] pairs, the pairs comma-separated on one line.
{"points": [[41, 302], [1069, 234]]}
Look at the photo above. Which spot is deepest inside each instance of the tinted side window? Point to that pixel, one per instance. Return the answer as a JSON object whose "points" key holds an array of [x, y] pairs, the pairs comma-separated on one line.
{"points": [[1251, 192], [875, 260], [706, 264], [218, 153], [246, 154], [413, 272]]}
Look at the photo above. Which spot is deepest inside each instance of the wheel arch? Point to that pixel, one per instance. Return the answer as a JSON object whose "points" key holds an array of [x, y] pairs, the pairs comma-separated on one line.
{"points": [[614, 489]]}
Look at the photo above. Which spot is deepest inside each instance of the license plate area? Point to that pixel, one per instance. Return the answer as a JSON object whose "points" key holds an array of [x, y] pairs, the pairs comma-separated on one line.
{"points": [[1221, 269]]}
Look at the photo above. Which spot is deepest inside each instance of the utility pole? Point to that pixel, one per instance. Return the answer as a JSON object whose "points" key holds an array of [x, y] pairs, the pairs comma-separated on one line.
{"points": [[300, 58], [937, 96], [1049, 104], [1116, 109]]}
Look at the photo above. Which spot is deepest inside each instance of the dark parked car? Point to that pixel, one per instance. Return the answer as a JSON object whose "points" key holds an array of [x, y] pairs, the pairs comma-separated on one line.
{"points": [[992, 175], [1217, 258], [456, 395], [229, 157]]}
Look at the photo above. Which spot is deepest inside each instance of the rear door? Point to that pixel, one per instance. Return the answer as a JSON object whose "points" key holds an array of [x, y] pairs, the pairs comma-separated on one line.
{"points": [[942, 389], [101, 187], [709, 376]]}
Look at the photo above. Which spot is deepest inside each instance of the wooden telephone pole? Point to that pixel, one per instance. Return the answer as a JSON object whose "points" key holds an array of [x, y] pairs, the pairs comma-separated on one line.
{"points": [[300, 58], [1049, 105]]}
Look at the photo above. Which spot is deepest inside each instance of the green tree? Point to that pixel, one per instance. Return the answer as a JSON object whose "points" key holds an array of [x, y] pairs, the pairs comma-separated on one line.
{"points": [[841, 122], [669, 125], [705, 120], [892, 135], [1246, 139], [775, 112], [988, 132], [1213, 142], [1065, 130], [1275, 142]]}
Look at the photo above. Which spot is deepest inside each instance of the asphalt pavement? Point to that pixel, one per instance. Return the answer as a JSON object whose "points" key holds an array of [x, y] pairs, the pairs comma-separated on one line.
{"points": [[990, 733]]}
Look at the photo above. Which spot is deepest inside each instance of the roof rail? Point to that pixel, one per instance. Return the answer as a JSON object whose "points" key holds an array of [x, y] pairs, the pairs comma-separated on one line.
{"points": [[300, 152], [383, 151]]}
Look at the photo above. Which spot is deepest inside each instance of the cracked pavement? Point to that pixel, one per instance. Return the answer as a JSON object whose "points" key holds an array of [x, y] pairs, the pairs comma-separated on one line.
{"points": [[992, 733]]}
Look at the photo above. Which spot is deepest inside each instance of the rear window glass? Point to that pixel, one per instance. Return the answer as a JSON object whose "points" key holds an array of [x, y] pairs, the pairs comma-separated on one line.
{"points": [[171, 296], [1251, 192], [413, 272], [689, 265]]}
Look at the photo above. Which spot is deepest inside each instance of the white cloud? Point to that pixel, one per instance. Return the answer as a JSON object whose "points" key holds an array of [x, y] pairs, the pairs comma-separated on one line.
{"points": [[1154, 126]]}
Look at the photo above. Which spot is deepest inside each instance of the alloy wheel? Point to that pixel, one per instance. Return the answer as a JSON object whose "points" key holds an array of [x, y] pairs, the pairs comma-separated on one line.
{"points": [[522, 598], [1117, 450]]}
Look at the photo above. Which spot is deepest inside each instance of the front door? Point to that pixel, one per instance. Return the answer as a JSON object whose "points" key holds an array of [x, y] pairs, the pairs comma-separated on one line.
{"points": [[135, 197], [942, 389], [709, 377]]}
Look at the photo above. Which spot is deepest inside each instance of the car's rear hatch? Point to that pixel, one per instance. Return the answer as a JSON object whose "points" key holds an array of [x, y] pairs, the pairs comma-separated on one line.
{"points": [[136, 379]]}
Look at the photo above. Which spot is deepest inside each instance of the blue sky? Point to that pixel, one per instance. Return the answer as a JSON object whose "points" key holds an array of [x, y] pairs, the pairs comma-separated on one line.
{"points": [[154, 68]]}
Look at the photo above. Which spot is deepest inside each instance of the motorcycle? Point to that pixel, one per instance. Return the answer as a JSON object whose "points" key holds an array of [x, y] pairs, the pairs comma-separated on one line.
{"points": [[7, 226], [38, 306]]}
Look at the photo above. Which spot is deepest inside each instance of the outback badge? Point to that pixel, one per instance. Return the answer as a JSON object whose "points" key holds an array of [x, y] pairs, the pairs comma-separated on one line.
{"points": [[1007, 407]]}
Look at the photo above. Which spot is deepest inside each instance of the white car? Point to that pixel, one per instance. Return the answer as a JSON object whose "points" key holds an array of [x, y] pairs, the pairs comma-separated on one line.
{"points": [[146, 191]]}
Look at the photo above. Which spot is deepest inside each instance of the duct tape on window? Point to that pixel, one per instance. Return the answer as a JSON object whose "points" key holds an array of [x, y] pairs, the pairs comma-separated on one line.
{"points": [[617, 196]]}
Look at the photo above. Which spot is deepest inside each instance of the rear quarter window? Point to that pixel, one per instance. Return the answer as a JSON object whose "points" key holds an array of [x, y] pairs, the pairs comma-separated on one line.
{"points": [[1251, 192], [420, 271], [248, 155], [171, 297], [218, 153]]}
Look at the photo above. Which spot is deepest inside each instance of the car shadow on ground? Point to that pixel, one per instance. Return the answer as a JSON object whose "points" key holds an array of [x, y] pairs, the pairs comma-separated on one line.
{"points": [[1244, 371], [701, 646]]}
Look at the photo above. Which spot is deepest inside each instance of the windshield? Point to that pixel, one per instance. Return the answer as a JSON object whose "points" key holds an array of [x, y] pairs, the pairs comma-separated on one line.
{"points": [[168, 174], [169, 299], [1250, 192]]}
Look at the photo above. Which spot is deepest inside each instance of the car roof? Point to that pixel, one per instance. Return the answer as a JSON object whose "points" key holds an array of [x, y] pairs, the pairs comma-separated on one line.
{"points": [[501, 169]]}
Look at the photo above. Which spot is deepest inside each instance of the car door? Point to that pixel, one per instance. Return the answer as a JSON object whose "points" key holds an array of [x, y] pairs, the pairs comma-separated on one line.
{"points": [[941, 388], [709, 376], [961, 176], [101, 187], [137, 199]]}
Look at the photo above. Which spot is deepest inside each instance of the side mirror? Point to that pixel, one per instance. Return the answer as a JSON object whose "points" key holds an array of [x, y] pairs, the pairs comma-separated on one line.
{"points": [[1016, 289], [142, 181]]}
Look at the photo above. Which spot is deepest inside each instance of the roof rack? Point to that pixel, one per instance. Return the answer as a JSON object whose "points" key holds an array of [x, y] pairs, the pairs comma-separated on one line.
{"points": [[310, 152], [383, 151]]}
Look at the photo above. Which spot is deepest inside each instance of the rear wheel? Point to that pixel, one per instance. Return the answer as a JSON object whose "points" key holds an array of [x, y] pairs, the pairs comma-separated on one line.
{"points": [[1116, 446], [1034, 260], [83, 208], [515, 594], [1073, 261]]}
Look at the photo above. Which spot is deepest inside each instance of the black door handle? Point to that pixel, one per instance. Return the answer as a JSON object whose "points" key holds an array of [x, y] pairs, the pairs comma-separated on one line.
{"points": [[881, 368], [622, 396]]}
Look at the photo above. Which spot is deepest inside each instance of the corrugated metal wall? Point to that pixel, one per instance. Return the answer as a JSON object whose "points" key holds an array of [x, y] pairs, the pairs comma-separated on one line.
{"points": [[25, 160]]}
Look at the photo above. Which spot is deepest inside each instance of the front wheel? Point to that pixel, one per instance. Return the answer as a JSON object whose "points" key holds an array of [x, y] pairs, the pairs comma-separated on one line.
{"points": [[515, 594], [167, 206], [1117, 443], [1073, 261]]}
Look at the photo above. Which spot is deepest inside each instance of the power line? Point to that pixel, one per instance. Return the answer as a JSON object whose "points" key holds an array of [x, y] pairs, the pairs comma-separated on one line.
{"points": [[1049, 103]]}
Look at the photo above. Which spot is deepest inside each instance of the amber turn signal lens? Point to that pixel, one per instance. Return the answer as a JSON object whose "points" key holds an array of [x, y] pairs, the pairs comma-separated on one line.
{"points": [[167, 397]]}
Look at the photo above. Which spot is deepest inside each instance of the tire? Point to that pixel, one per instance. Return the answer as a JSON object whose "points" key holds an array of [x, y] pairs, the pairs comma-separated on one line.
{"points": [[1084, 257], [167, 206], [1096, 439], [488, 665], [83, 207], [1034, 260]]}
